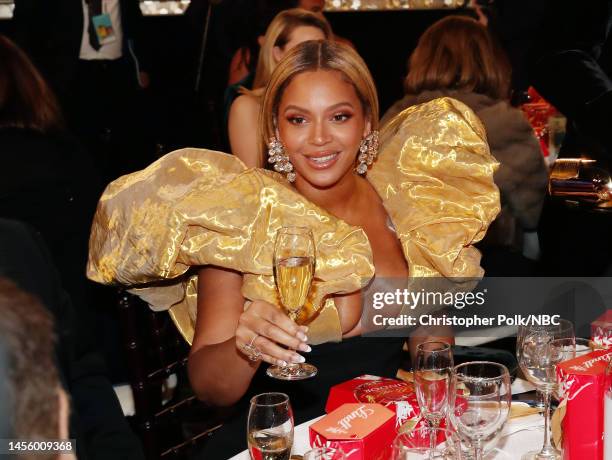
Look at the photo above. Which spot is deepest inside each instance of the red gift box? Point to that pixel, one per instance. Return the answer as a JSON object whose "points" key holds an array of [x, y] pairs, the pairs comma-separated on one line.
{"points": [[397, 395], [583, 382], [601, 330], [362, 431]]}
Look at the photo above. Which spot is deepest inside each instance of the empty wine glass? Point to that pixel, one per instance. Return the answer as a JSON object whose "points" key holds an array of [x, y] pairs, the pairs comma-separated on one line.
{"points": [[480, 401], [539, 349], [416, 445], [325, 453], [270, 427], [432, 376]]}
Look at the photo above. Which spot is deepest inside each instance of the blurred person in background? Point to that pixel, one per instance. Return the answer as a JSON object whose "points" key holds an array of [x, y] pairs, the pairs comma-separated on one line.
{"points": [[46, 178], [96, 420], [288, 29], [96, 76], [457, 57], [36, 403], [244, 59], [49, 182]]}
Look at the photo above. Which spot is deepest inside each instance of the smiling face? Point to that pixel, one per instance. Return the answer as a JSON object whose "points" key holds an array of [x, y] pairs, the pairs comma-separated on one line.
{"points": [[321, 123]]}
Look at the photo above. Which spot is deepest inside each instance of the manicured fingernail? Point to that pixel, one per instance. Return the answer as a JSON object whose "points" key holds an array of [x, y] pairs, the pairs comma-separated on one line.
{"points": [[299, 359], [306, 348], [302, 336]]}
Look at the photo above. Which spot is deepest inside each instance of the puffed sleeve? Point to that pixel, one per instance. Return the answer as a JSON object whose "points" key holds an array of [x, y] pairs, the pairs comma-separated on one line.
{"points": [[197, 207], [435, 176]]}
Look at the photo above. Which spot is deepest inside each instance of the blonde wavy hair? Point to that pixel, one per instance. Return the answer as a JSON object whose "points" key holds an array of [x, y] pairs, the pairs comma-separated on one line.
{"points": [[311, 56], [279, 33]]}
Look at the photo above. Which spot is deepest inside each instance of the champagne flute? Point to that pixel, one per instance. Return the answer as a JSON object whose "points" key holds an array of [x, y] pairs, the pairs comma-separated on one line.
{"points": [[480, 401], [270, 427], [539, 349], [432, 377], [294, 265]]}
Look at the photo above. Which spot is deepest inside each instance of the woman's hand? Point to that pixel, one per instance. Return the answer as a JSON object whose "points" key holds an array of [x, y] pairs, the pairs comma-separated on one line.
{"points": [[267, 328]]}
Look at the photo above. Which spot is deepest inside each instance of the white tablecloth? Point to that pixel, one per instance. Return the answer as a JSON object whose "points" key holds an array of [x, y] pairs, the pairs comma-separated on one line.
{"points": [[512, 444]]}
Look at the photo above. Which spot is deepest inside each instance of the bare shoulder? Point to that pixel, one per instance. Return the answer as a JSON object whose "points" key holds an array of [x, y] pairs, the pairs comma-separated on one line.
{"points": [[245, 105]]}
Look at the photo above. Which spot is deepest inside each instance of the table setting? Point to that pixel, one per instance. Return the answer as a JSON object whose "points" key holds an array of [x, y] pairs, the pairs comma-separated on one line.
{"points": [[441, 409]]}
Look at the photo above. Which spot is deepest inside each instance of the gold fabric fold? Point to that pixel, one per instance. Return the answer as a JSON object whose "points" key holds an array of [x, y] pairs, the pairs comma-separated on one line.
{"points": [[198, 207], [194, 207], [434, 174]]}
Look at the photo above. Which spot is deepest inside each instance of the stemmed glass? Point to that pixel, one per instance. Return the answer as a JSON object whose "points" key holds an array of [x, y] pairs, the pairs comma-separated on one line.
{"points": [[294, 265], [416, 445], [480, 401], [432, 378], [539, 349], [270, 426]]}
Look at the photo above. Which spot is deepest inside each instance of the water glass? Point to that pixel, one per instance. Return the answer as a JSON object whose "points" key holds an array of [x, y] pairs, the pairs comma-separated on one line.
{"points": [[270, 427]]}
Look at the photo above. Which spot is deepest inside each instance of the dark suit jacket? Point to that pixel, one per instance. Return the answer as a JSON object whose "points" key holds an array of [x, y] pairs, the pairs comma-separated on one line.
{"points": [[51, 33], [96, 419]]}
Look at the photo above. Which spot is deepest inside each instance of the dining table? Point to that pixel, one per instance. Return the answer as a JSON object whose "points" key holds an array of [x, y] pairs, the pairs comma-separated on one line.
{"points": [[520, 434]]}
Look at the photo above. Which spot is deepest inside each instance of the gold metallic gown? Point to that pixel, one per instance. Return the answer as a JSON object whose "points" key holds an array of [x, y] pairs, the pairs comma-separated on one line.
{"points": [[196, 207]]}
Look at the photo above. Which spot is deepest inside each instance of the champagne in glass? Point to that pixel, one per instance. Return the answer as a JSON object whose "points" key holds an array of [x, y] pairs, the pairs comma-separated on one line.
{"points": [[293, 278], [294, 265], [270, 427], [539, 349]]}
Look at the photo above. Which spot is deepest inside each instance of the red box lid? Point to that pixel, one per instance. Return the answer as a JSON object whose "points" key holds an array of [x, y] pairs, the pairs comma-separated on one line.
{"points": [[593, 363]]}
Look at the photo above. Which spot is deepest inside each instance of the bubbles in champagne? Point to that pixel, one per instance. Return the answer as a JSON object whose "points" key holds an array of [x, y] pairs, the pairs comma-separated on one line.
{"points": [[293, 278]]}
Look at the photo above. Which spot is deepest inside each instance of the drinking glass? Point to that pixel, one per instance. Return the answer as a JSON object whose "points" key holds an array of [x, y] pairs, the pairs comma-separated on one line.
{"points": [[324, 453], [432, 376], [480, 401], [270, 427], [294, 265], [416, 445], [539, 349]]}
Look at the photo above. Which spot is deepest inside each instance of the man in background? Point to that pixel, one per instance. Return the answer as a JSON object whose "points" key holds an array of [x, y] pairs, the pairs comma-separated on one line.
{"points": [[92, 53]]}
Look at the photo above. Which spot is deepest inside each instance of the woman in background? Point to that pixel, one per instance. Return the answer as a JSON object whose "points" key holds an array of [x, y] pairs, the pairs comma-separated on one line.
{"points": [[457, 57], [245, 59], [288, 29]]}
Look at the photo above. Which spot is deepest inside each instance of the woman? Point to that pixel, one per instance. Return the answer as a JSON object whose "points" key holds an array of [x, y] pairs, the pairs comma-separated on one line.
{"points": [[288, 29], [416, 214], [244, 59], [457, 57]]}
